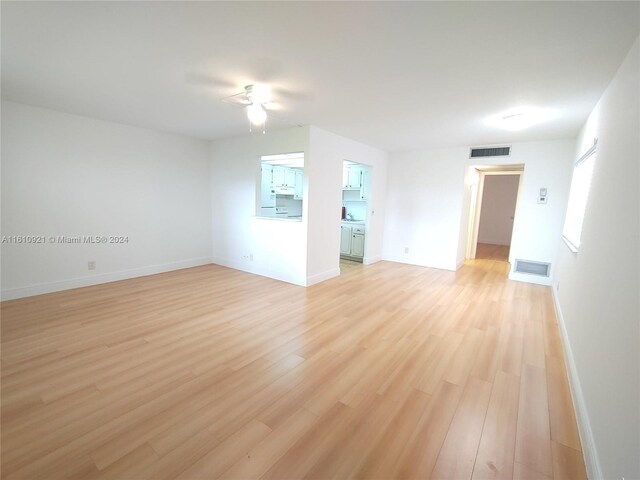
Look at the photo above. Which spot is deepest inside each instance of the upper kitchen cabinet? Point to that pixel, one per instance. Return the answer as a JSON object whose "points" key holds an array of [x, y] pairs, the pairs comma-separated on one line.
{"points": [[281, 186], [365, 185], [351, 176], [357, 177], [284, 177], [299, 188]]}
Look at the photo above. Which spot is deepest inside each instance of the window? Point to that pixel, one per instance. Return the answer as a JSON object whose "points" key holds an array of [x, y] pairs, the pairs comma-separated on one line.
{"points": [[578, 195]]}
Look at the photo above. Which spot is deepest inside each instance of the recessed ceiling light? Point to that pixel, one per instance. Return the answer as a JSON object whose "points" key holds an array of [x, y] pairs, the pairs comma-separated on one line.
{"points": [[519, 118]]}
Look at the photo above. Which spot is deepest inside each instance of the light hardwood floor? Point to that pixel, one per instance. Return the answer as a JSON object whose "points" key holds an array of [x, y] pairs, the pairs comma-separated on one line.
{"points": [[488, 251], [389, 371]]}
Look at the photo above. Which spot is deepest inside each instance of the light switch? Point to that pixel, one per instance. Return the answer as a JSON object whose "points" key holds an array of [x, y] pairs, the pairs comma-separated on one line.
{"points": [[542, 197]]}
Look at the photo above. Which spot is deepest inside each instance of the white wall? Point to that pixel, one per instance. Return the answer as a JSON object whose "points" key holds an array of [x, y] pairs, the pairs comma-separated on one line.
{"points": [[300, 252], [327, 151], [599, 286], [70, 175], [427, 192], [498, 208], [278, 247]]}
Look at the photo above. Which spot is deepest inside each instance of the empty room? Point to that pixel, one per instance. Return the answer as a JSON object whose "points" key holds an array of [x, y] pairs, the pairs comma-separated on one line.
{"points": [[323, 240]]}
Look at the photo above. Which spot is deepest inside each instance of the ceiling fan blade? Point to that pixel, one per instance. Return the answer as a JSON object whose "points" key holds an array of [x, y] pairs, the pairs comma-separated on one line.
{"points": [[239, 98], [292, 95], [205, 80]]}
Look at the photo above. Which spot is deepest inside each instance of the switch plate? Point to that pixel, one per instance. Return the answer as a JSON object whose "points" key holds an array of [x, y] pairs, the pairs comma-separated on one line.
{"points": [[542, 199], [91, 264]]}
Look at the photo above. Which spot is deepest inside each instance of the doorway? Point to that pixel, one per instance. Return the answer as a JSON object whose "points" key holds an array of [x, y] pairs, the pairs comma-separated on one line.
{"points": [[493, 212], [356, 193]]}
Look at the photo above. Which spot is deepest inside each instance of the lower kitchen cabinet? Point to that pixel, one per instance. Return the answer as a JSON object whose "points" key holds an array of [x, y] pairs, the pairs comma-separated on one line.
{"points": [[357, 245], [352, 241], [345, 240]]}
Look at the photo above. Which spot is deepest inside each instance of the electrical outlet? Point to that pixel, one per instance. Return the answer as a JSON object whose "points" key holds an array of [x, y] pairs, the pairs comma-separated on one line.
{"points": [[251, 257], [406, 249], [91, 265]]}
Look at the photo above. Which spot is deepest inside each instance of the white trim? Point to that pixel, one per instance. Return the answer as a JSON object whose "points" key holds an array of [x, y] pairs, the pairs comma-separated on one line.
{"points": [[411, 261], [571, 246], [589, 451], [470, 250], [588, 153], [50, 287], [475, 211], [321, 277], [475, 226], [370, 260]]}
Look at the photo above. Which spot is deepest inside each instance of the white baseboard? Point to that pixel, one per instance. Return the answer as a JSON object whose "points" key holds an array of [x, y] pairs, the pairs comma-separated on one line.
{"points": [[68, 284], [411, 261], [321, 277], [257, 269], [591, 459], [371, 260]]}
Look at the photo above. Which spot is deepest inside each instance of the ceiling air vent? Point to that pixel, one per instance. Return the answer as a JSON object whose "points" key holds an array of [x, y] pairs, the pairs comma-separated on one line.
{"points": [[490, 152], [533, 268]]}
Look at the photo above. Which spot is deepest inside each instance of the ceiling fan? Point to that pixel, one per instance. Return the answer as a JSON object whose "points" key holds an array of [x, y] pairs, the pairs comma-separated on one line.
{"points": [[256, 99]]}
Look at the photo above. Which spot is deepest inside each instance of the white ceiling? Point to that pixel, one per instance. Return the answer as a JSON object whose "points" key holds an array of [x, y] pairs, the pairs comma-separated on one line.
{"points": [[393, 75]]}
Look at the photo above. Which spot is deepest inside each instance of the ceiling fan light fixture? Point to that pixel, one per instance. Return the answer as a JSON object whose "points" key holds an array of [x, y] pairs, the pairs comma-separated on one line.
{"points": [[256, 114], [258, 93]]}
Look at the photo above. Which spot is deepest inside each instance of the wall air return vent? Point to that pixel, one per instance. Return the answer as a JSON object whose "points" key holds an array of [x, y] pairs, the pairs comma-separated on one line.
{"points": [[490, 152], [533, 268]]}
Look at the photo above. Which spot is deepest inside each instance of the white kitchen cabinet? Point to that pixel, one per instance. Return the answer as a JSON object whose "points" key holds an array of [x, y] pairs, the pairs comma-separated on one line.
{"points": [[352, 177], [357, 245], [352, 241], [365, 186], [267, 194], [283, 177], [289, 177], [277, 177], [345, 240], [299, 182]]}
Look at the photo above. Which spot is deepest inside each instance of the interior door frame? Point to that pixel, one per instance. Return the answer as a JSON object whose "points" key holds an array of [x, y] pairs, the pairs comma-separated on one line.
{"points": [[476, 205]]}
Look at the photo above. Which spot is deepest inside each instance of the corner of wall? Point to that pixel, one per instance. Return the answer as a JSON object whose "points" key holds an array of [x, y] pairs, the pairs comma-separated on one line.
{"points": [[321, 277]]}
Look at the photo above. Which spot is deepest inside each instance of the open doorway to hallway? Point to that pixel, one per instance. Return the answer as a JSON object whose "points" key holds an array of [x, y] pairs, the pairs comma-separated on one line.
{"points": [[493, 211], [497, 211]]}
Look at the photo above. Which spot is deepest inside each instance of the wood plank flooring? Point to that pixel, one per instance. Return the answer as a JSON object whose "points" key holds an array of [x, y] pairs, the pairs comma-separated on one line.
{"points": [[389, 371], [487, 251]]}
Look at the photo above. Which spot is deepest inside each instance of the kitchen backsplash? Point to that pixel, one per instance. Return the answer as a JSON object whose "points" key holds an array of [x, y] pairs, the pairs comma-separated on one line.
{"points": [[358, 209]]}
